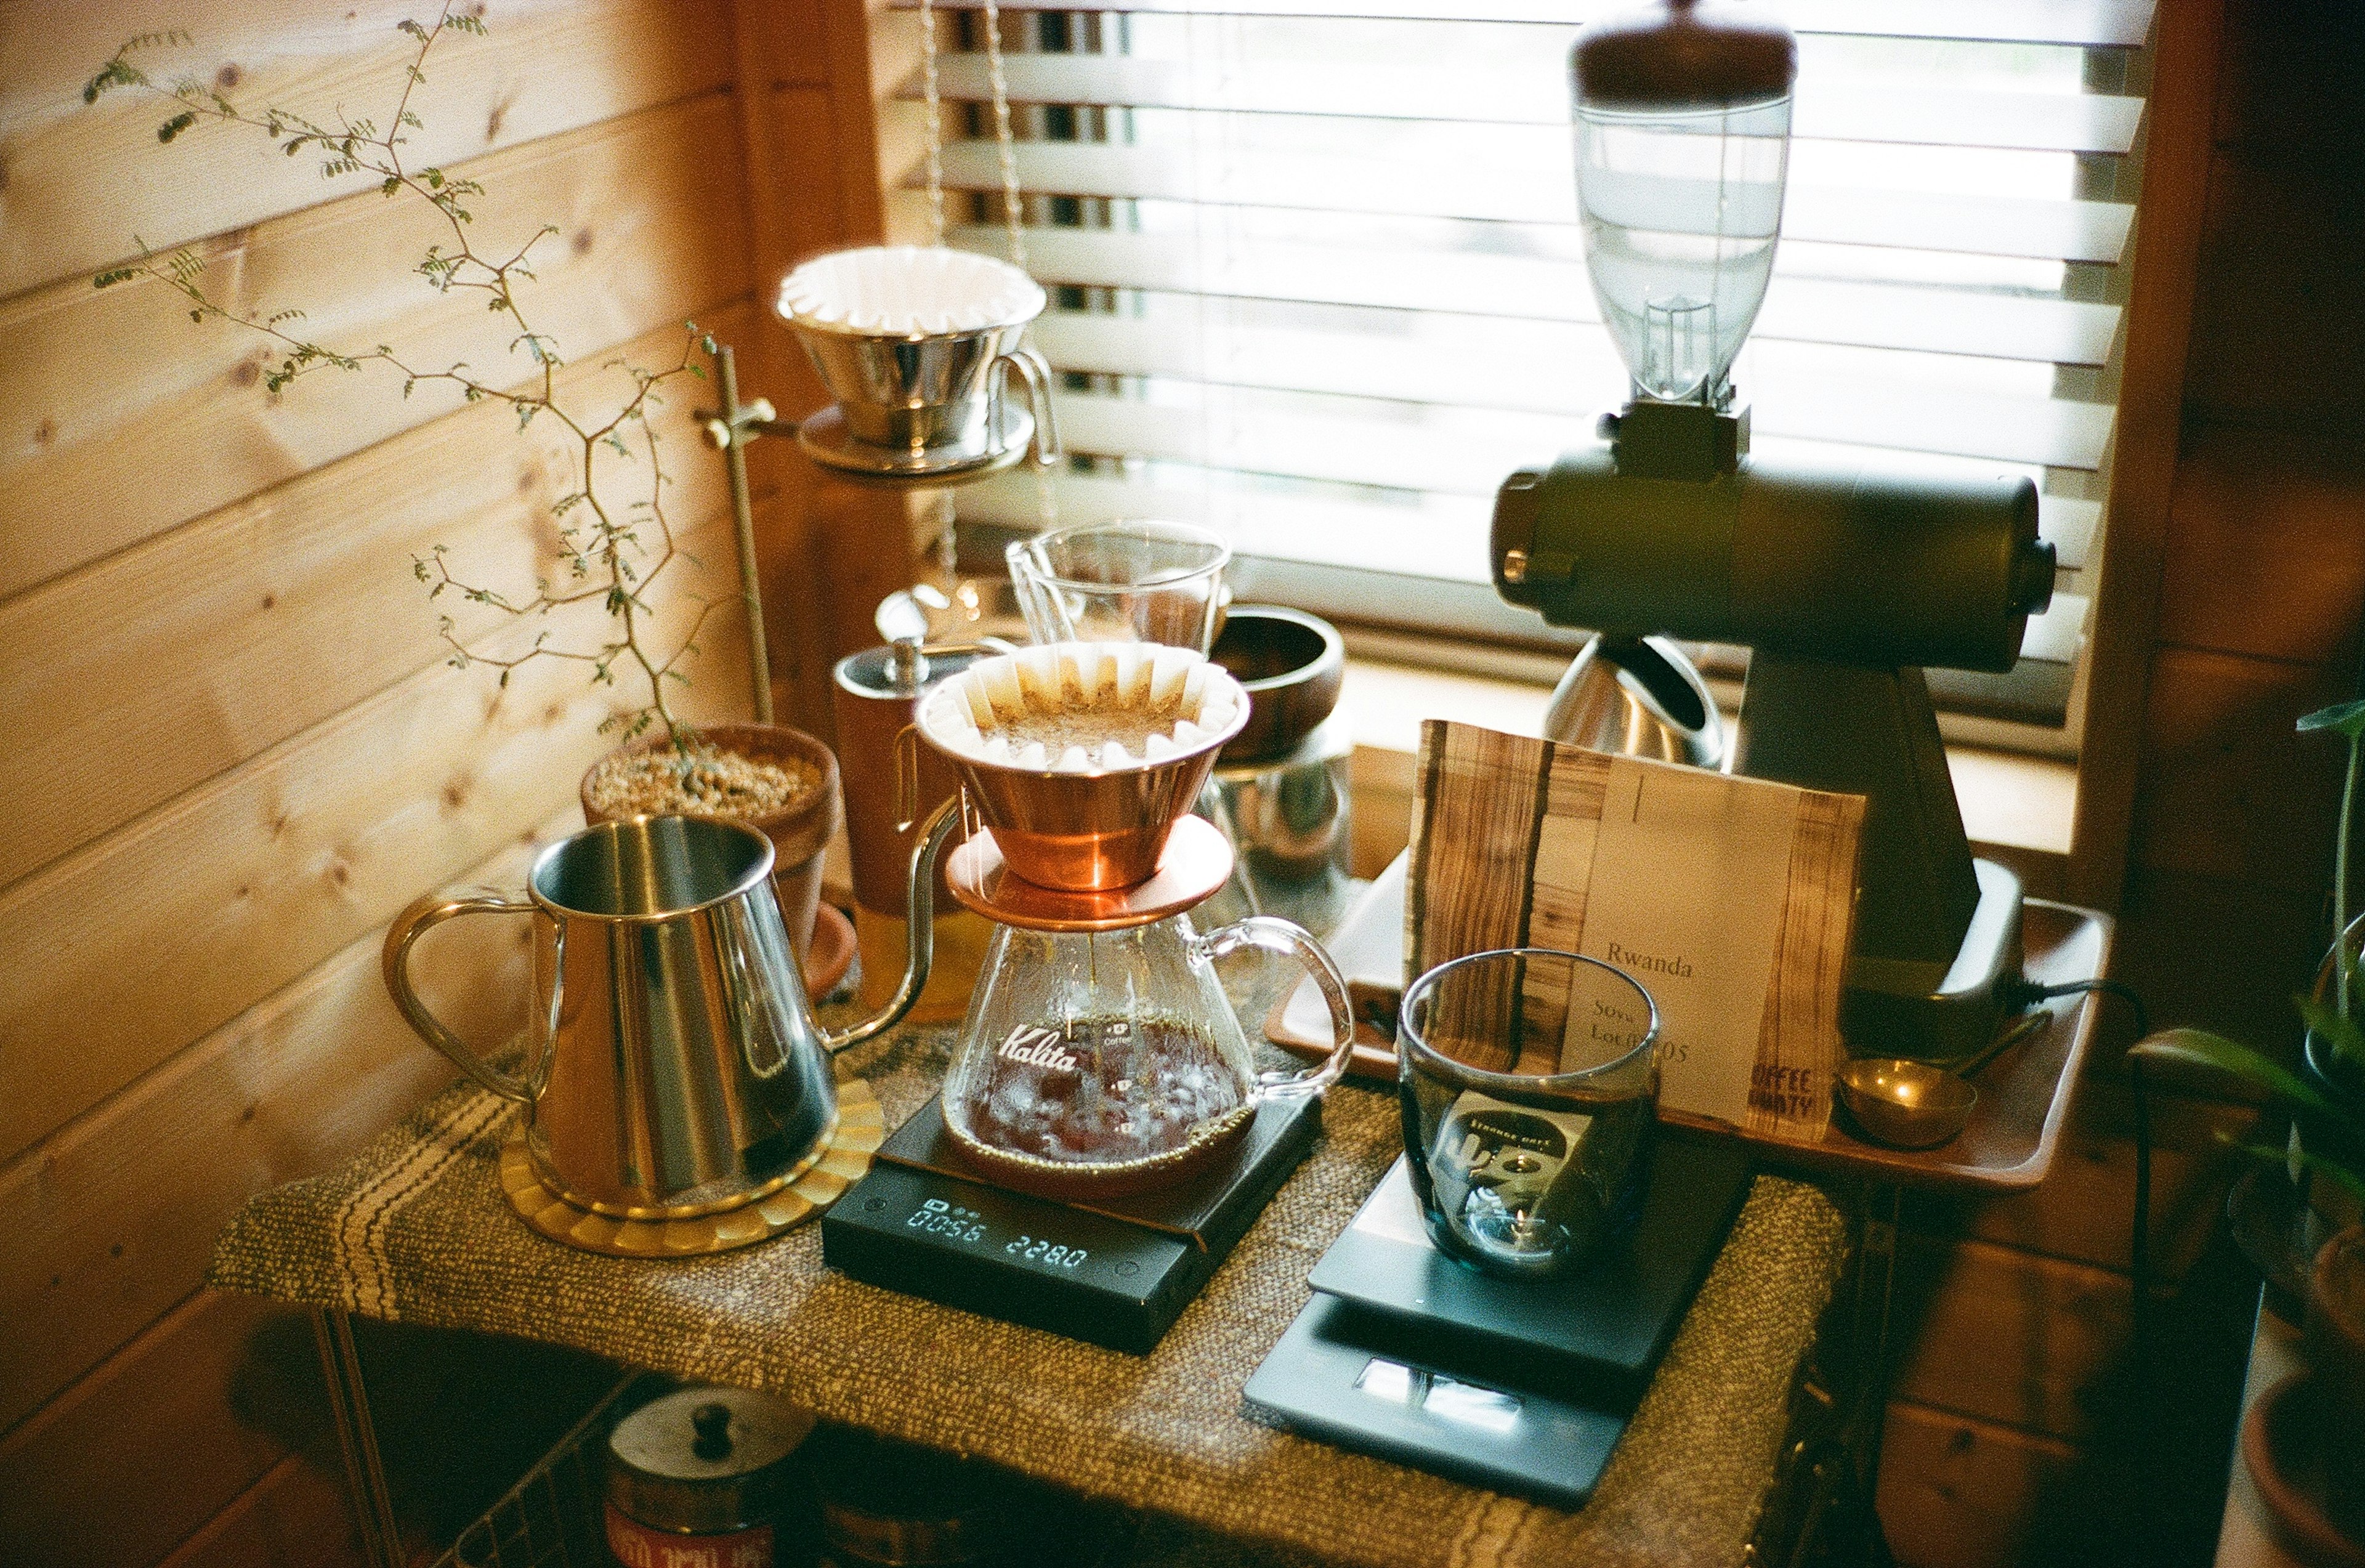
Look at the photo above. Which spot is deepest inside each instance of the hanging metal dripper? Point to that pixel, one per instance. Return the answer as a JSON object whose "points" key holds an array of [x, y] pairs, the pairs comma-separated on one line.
{"points": [[917, 348]]}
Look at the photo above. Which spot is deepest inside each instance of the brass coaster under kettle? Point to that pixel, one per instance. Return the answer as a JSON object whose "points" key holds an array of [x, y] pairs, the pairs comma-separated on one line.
{"points": [[842, 1159], [678, 1092]]}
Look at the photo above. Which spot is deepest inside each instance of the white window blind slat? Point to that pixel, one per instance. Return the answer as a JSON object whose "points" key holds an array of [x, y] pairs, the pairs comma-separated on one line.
{"points": [[1536, 292], [1848, 111], [2078, 24], [1536, 400], [1519, 186], [1318, 281], [1251, 431]]}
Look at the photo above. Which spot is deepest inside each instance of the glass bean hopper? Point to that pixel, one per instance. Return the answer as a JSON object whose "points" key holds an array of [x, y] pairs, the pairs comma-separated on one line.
{"points": [[1844, 578]]}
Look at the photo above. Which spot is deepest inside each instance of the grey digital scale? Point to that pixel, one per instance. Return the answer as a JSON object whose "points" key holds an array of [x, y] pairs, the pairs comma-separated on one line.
{"points": [[1116, 1272], [1521, 1385]]}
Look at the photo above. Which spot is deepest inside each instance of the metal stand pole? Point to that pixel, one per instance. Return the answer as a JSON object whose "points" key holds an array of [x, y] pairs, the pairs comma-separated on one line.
{"points": [[732, 428], [1876, 1297], [340, 1371]]}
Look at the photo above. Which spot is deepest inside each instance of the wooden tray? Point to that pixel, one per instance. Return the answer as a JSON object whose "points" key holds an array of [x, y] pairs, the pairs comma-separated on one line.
{"points": [[2025, 1096]]}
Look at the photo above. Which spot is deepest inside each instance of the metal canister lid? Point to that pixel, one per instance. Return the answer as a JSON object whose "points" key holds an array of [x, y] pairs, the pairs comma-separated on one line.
{"points": [[903, 669], [704, 1460], [891, 1505]]}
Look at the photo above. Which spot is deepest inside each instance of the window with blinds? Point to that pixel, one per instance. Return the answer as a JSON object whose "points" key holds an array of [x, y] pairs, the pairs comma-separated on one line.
{"points": [[1317, 280]]}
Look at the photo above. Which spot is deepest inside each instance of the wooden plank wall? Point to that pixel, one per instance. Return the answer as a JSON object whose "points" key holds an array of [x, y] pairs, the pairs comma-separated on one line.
{"points": [[240, 748], [2246, 599]]}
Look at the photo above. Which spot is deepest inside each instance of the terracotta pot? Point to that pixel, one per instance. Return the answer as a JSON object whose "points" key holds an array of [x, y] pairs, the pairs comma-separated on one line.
{"points": [[798, 834], [2290, 1440], [2335, 1333], [2298, 1438]]}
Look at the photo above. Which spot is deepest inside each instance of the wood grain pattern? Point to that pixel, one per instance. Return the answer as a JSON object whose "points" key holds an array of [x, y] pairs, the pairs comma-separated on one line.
{"points": [[1486, 795], [151, 1446], [2230, 789], [1959, 1493], [2084, 1212], [294, 1517], [122, 1205], [137, 945], [2280, 247], [786, 128], [1799, 1038], [2141, 467], [2006, 1335], [2266, 518], [200, 649], [111, 388], [1564, 842], [544, 69], [1503, 856], [2223, 954]]}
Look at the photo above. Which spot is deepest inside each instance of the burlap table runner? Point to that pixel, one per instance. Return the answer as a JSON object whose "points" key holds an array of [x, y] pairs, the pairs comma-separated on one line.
{"points": [[415, 1230]]}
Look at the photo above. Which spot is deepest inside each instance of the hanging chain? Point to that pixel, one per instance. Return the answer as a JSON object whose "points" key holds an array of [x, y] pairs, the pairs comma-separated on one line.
{"points": [[929, 89], [1004, 143]]}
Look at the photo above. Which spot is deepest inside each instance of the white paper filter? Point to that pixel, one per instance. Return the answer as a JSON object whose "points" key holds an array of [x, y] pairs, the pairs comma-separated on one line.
{"points": [[908, 290], [981, 713]]}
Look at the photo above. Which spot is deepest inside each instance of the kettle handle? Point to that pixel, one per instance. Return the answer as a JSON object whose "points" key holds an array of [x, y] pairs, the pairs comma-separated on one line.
{"points": [[1269, 935], [422, 917], [920, 931]]}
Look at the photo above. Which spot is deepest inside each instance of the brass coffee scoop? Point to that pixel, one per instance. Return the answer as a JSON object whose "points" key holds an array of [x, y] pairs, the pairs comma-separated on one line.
{"points": [[1914, 1104]]}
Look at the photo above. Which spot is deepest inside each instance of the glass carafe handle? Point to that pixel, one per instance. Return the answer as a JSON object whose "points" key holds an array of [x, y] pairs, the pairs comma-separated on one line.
{"points": [[1269, 935]]}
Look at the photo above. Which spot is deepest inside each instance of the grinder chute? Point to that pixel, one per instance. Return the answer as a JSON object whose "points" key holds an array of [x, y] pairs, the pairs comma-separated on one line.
{"points": [[1843, 578]]}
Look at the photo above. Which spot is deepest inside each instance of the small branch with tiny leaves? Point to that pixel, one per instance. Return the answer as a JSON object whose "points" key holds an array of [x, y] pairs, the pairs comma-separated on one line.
{"points": [[606, 557]]}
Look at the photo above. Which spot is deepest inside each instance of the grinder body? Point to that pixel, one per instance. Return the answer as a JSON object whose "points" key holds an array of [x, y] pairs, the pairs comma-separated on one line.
{"points": [[1843, 580]]}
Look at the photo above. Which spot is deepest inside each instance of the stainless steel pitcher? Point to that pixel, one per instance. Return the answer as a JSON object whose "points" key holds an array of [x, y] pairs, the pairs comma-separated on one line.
{"points": [[678, 1069]]}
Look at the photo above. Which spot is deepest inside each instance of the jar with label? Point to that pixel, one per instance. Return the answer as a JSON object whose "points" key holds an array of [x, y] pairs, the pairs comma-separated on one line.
{"points": [[708, 1478]]}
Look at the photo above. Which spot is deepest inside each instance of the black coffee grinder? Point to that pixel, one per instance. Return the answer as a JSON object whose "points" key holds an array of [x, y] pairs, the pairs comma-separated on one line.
{"points": [[1843, 580]]}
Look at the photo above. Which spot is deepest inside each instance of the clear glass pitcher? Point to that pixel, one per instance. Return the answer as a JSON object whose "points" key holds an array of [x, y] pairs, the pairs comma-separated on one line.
{"points": [[1122, 582], [1111, 1062]]}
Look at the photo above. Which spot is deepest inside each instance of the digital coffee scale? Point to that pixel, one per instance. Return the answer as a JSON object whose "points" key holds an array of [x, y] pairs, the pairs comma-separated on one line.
{"points": [[1522, 1386], [1116, 1272]]}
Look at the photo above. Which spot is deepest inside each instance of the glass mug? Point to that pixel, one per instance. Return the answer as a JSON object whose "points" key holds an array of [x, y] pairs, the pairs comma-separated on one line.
{"points": [[1122, 582], [1529, 1080]]}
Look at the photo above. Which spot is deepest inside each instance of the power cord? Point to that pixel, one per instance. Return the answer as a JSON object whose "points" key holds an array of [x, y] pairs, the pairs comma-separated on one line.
{"points": [[2018, 993]]}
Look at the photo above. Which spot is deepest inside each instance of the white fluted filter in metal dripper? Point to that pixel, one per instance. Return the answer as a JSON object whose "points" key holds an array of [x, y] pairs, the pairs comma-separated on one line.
{"points": [[915, 346], [909, 291]]}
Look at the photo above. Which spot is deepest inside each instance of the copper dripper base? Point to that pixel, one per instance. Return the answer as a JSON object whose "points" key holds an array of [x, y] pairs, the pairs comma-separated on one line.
{"points": [[1194, 865]]}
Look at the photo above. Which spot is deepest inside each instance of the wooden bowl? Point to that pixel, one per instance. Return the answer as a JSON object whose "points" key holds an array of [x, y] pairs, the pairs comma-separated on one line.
{"points": [[1291, 664]]}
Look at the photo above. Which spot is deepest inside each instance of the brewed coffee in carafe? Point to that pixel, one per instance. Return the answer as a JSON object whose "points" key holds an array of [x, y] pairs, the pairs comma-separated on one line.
{"points": [[1101, 1055], [1106, 1058]]}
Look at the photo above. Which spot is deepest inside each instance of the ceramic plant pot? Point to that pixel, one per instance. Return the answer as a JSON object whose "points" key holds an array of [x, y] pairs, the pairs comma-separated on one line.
{"points": [[2289, 1441], [799, 833], [2335, 1340], [2298, 1438]]}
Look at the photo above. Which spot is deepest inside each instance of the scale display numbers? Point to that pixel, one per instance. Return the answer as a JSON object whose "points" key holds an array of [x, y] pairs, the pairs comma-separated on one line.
{"points": [[937, 1217]]}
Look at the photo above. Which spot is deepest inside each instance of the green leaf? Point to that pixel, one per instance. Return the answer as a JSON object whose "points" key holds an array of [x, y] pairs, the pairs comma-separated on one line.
{"points": [[2215, 1053], [2348, 718], [173, 127], [2337, 1171], [2346, 1035]]}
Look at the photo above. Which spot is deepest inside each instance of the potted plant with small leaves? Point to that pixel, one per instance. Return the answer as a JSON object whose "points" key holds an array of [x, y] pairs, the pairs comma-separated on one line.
{"points": [[2299, 1437], [616, 545]]}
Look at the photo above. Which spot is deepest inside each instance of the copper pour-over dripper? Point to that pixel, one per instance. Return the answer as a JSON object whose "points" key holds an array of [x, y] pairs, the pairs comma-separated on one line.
{"points": [[1084, 829]]}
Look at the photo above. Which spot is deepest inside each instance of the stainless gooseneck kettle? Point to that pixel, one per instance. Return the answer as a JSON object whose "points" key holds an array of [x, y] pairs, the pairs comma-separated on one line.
{"points": [[674, 1066]]}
